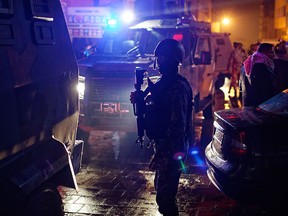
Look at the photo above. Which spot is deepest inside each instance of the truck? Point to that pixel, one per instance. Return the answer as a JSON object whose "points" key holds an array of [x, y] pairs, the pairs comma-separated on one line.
{"points": [[39, 109], [109, 68]]}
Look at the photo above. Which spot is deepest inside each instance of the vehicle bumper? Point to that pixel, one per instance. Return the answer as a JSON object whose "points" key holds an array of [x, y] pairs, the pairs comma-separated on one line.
{"points": [[238, 182]]}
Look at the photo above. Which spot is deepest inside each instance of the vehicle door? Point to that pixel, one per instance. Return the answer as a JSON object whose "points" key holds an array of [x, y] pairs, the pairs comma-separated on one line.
{"points": [[223, 48]]}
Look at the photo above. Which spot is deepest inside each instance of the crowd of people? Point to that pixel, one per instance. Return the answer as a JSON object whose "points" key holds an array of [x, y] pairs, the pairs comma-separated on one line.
{"points": [[260, 74]]}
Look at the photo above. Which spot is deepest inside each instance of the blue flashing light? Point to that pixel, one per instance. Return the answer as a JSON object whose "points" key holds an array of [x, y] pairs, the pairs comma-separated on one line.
{"points": [[194, 152]]}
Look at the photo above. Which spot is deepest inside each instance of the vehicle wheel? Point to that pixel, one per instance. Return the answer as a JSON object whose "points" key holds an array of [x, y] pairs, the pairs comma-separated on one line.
{"points": [[46, 201], [10, 193]]}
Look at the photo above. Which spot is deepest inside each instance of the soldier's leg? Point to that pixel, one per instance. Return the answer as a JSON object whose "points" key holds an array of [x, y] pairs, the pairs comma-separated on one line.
{"points": [[166, 185]]}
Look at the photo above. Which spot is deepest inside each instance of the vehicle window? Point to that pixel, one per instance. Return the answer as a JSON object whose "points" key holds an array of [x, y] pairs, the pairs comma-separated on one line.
{"points": [[156, 35], [152, 40], [115, 43], [203, 45], [220, 41], [277, 105]]}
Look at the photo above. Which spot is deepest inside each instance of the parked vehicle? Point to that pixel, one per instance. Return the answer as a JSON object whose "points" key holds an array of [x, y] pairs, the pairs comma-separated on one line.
{"points": [[39, 108], [110, 71], [248, 156]]}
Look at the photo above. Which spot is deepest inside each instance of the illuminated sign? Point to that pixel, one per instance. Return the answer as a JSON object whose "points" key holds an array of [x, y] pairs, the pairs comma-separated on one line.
{"points": [[87, 22]]}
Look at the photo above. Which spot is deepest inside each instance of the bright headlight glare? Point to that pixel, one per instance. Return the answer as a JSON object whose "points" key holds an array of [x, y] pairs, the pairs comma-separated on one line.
{"points": [[127, 16], [81, 90]]}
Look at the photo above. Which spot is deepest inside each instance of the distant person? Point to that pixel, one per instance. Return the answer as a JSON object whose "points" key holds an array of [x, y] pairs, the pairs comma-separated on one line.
{"points": [[258, 76], [281, 66], [253, 48], [236, 59]]}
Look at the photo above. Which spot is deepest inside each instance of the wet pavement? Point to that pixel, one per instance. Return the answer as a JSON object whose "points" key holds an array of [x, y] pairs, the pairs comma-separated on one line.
{"points": [[115, 180]]}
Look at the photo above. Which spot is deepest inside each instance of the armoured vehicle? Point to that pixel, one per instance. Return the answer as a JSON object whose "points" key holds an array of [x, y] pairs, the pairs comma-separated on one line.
{"points": [[109, 68], [39, 109]]}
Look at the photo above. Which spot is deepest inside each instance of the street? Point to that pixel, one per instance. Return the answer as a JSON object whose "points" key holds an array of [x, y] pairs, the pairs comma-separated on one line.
{"points": [[67, 70], [115, 180]]}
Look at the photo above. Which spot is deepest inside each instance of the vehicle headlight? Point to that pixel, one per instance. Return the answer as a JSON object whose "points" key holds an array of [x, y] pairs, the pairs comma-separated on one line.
{"points": [[81, 87]]}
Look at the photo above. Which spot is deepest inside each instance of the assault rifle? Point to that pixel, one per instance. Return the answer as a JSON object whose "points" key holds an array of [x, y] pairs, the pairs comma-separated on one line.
{"points": [[139, 105]]}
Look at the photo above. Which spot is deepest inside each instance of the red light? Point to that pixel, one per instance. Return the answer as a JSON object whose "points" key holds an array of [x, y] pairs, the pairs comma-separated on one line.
{"points": [[242, 136], [238, 146], [178, 37], [239, 152]]}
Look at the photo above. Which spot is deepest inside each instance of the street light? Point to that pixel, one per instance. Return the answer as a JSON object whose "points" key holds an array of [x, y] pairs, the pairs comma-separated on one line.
{"points": [[224, 24], [225, 21], [220, 25]]}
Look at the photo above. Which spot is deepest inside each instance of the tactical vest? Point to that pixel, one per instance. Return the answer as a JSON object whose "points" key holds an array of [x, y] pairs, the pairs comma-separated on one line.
{"points": [[158, 109]]}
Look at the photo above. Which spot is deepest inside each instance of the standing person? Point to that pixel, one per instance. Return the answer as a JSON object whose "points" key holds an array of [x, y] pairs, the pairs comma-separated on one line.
{"points": [[168, 117], [253, 48], [281, 66], [258, 76], [236, 59]]}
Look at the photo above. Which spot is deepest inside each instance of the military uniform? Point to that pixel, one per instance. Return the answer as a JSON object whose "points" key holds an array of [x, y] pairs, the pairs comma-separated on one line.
{"points": [[167, 122]]}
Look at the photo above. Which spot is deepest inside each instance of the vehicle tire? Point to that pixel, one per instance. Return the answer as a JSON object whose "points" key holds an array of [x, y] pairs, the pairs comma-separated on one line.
{"points": [[46, 201], [9, 193]]}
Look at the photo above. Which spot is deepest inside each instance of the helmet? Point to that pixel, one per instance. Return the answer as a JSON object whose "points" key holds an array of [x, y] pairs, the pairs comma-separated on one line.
{"points": [[170, 47]]}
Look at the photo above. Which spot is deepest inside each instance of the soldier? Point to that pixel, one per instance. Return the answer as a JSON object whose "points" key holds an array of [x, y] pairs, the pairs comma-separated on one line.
{"points": [[167, 121]]}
